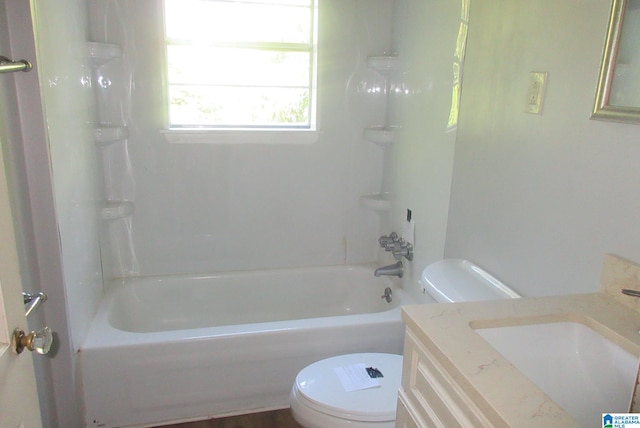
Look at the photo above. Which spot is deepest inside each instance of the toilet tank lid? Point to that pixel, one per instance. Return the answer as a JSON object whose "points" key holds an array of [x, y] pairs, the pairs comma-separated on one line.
{"points": [[459, 280]]}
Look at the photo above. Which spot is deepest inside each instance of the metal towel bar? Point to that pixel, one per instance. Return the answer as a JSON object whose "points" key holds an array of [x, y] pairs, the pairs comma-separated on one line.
{"points": [[8, 66]]}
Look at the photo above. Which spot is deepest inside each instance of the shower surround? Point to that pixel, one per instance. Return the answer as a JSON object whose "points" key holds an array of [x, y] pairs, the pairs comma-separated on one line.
{"points": [[202, 206]]}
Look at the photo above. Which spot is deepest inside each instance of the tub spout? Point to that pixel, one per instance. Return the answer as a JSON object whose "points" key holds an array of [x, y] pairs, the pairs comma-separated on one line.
{"points": [[395, 269]]}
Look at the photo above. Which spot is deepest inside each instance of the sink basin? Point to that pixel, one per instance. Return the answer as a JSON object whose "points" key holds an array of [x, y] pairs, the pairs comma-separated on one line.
{"points": [[582, 371]]}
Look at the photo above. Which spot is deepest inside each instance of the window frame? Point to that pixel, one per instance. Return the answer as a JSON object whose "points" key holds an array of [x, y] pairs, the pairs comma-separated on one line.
{"points": [[249, 134]]}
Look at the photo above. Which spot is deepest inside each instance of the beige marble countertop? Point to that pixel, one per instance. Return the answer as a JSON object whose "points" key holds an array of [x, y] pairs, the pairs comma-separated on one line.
{"points": [[448, 332]]}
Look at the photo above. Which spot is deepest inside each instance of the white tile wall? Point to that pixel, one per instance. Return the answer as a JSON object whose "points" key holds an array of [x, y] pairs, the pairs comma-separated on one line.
{"points": [[208, 207], [425, 35]]}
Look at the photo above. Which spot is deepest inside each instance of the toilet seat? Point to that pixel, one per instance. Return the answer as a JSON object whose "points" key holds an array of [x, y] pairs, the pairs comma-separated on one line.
{"points": [[318, 388]]}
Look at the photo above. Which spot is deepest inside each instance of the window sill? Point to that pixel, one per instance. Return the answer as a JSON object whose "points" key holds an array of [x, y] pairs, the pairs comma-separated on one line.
{"points": [[241, 136]]}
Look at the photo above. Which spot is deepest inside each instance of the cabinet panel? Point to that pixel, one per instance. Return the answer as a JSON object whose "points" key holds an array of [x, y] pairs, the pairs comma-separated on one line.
{"points": [[408, 416], [433, 391], [404, 417]]}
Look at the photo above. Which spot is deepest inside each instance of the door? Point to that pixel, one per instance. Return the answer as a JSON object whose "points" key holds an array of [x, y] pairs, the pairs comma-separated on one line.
{"points": [[18, 395]]}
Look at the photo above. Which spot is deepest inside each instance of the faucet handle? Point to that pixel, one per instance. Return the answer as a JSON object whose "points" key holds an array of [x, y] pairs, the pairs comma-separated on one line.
{"points": [[404, 249], [386, 240]]}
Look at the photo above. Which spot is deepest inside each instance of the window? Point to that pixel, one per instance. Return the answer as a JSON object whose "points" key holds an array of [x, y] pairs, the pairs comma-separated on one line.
{"points": [[241, 64]]}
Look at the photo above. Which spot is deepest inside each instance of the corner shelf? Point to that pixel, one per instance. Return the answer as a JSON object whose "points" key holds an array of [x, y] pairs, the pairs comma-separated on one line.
{"points": [[384, 64], [114, 210], [376, 201], [380, 135], [108, 134], [101, 53], [384, 136]]}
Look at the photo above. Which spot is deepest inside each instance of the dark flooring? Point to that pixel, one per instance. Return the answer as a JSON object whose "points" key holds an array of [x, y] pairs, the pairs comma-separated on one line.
{"points": [[274, 419]]}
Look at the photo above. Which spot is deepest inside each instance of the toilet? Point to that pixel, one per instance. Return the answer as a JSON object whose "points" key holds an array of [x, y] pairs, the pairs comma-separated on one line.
{"points": [[318, 397], [459, 280]]}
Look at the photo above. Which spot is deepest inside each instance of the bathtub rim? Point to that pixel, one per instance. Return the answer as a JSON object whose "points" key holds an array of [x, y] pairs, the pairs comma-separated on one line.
{"points": [[369, 266], [102, 334]]}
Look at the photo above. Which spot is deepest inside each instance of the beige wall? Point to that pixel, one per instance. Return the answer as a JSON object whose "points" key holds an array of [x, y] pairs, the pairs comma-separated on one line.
{"points": [[539, 199]]}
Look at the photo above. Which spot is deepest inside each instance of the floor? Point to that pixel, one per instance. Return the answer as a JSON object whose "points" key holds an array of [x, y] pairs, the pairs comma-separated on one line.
{"points": [[275, 419]]}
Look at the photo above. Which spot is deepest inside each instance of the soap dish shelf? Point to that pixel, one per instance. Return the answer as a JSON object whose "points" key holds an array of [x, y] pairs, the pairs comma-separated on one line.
{"points": [[114, 210], [101, 53], [380, 135], [108, 134], [376, 201], [384, 64]]}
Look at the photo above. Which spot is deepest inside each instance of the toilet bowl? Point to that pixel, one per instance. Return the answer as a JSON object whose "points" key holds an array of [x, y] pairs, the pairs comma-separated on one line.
{"points": [[318, 398]]}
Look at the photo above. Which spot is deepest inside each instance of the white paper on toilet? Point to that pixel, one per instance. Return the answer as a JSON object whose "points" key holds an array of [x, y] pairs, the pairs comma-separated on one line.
{"points": [[354, 377]]}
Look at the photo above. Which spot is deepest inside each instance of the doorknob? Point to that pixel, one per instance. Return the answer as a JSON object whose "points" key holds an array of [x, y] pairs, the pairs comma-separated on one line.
{"points": [[39, 341]]}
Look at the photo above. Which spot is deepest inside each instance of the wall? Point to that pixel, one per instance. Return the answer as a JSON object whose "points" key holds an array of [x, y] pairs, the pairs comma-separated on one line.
{"points": [[61, 158], [539, 199], [425, 37], [202, 207], [60, 37]]}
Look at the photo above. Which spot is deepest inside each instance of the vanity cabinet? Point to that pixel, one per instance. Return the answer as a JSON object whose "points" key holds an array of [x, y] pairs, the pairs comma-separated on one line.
{"points": [[433, 396], [453, 375]]}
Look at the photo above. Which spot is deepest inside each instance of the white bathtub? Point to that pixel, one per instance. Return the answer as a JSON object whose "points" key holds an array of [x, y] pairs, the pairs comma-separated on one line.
{"points": [[168, 349]]}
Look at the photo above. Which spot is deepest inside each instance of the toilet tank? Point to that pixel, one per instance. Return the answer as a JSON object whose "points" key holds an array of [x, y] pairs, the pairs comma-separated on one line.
{"points": [[459, 280]]}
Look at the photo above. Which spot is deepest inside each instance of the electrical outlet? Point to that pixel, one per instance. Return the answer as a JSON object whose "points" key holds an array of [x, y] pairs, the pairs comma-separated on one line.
{"points": [[535, 92]]}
